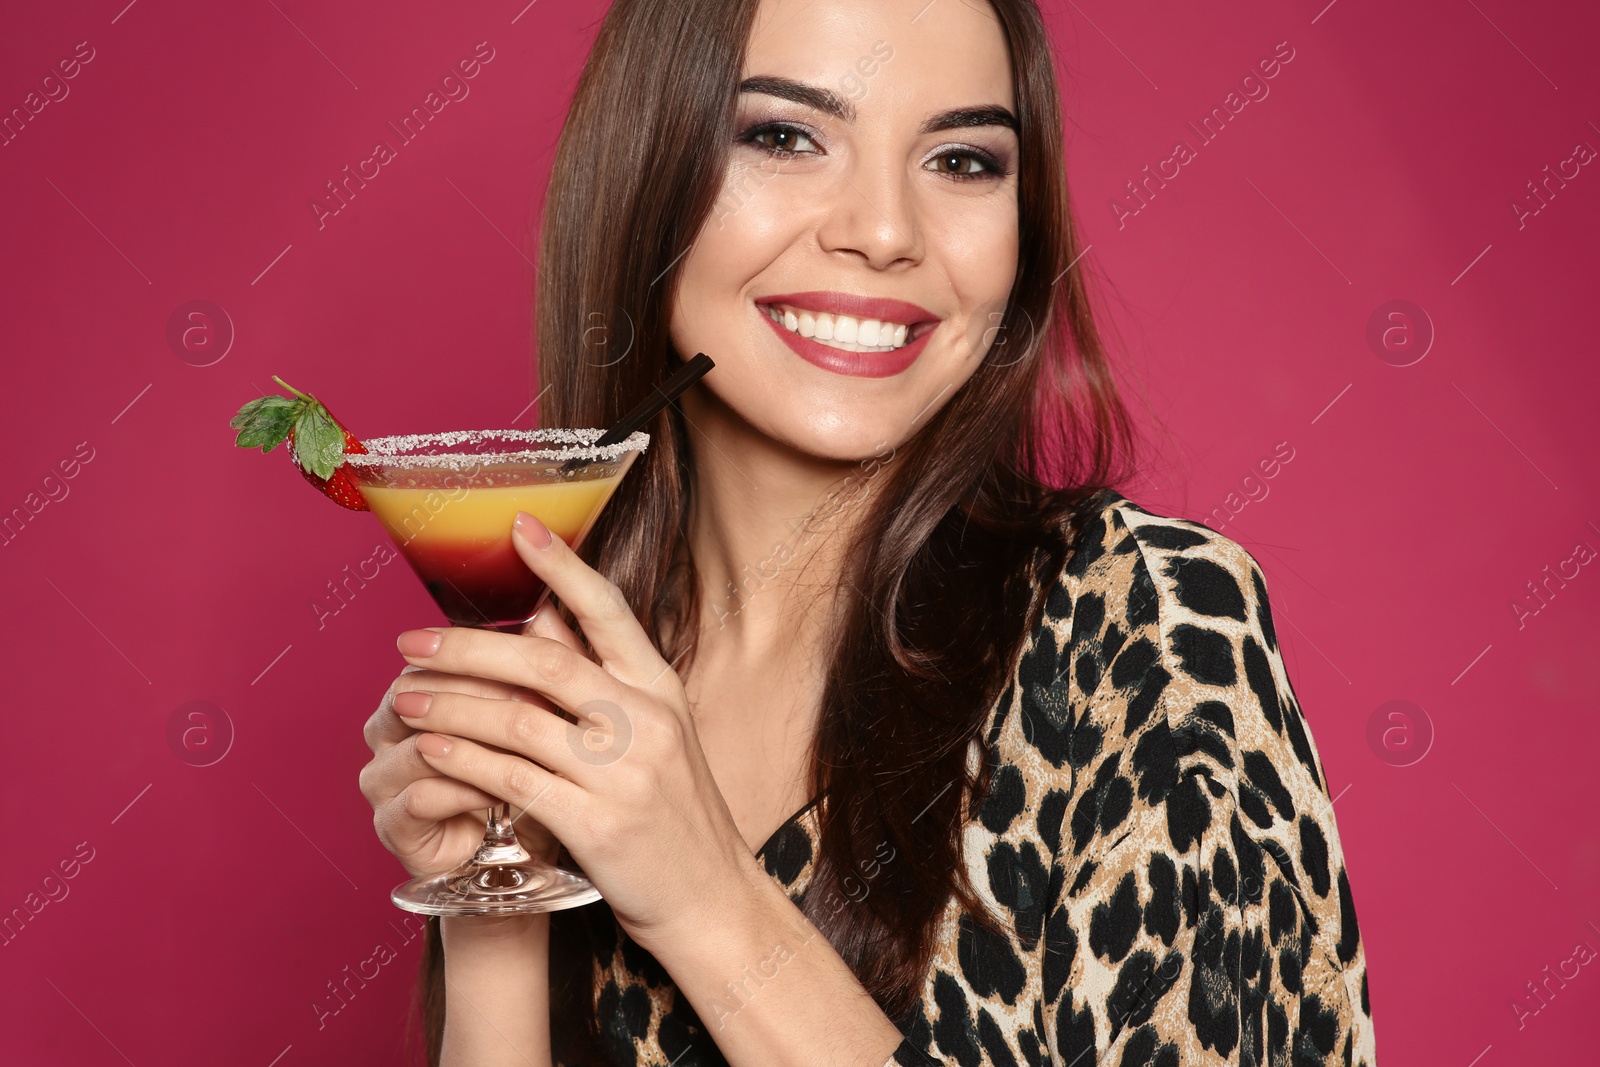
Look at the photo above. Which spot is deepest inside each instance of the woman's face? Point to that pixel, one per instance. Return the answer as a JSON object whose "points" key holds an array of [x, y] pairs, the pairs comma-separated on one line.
{"points": [[870, 205]]}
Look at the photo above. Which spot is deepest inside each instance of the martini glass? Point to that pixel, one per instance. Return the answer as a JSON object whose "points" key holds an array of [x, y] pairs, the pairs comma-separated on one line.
{"points": [[448, 500]]}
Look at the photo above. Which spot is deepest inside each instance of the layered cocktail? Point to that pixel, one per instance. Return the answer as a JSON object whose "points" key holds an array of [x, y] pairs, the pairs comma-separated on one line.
{"points": [[448, 501]]}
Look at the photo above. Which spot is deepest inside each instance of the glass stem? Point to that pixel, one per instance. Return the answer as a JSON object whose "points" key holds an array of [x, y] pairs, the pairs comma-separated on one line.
{"points": [[500, 844]]}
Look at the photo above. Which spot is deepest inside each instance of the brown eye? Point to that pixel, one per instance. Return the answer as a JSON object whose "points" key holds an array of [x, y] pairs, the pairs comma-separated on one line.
{"points": [[958, 163], [781, 139]]}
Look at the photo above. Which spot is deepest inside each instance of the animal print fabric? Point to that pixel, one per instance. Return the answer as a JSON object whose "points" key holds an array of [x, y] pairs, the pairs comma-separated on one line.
{"points": [[1158, 838]]}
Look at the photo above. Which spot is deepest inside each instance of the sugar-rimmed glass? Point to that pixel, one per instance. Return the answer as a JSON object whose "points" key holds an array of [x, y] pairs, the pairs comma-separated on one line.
{"points": [[448, 500]]}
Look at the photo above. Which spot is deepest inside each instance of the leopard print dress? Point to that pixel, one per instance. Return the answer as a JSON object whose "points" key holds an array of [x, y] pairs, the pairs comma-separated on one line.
{"points": [[1158, 835]]}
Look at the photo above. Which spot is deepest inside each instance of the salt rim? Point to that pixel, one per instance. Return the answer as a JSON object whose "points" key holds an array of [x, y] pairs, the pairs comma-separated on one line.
{"points": [[395, 449]]}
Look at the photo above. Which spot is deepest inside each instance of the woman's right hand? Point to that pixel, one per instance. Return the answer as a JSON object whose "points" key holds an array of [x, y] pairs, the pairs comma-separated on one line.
{"points": [[431, 822]]}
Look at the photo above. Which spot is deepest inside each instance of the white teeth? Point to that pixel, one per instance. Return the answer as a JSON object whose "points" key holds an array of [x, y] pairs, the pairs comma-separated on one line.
{"points": [[840, 331]]}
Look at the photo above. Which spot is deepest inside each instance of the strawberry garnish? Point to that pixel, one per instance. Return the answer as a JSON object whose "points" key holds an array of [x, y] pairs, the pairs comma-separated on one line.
{"points": [[318, 442]]}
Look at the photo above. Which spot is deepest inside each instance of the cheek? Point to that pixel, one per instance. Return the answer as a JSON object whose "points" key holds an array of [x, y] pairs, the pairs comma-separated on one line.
{"points": [[750, 226], [977, 248], [755, 217]]}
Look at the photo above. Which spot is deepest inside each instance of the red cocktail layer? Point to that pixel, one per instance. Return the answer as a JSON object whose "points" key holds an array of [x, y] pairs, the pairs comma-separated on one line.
{"points": [[477, 584]]}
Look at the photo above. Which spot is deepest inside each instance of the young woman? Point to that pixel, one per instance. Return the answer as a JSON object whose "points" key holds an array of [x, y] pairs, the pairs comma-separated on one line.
{"points": [[925, 745]]}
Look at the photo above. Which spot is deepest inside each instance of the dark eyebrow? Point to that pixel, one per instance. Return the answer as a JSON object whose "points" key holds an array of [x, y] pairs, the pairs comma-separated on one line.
{"points": [[830, 103], [811, 96], [965, 117]]}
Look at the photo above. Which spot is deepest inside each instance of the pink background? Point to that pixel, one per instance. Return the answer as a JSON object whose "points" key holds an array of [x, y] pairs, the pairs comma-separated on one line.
{"points": [[1419, 503]]}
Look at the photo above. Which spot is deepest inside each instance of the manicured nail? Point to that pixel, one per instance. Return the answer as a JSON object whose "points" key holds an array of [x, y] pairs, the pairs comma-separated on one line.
{"points": [[433, 744], [412, 703], [532, 530], [419, 643]]}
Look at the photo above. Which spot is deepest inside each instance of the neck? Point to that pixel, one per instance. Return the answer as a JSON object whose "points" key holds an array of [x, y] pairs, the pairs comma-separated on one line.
{"points": [[768, 529]]}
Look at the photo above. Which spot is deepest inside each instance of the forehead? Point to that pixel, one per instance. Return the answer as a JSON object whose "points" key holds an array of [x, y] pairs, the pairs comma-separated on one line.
{"points": [[943, 54]]}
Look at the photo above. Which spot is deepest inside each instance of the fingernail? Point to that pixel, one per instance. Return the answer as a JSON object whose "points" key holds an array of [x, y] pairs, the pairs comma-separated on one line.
{"points": [[433, 745], [420, 643], [412, 704], [532, 530]]}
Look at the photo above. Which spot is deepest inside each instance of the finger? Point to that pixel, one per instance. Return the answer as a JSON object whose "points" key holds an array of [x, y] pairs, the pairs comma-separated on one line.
{"points": [[407, 821], [528, 788], [523, 729], [569, 679], [383, 728], [549, 624], [437, 798], [390, 771], [599, 606]]}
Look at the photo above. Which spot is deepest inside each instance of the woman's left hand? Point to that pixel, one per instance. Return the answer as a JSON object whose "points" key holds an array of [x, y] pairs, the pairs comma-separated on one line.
{"points": [[627, 787]]}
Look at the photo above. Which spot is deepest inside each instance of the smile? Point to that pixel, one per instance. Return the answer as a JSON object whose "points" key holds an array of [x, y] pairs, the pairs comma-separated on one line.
{"points": [[840, 331], [858, 336]]}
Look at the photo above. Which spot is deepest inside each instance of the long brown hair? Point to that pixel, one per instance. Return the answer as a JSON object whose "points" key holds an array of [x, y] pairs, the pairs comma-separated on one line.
{"points": [[972, 516]]}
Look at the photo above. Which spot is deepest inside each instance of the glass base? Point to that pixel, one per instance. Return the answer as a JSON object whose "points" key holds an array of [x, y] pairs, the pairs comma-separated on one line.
{"points": [[496, 888]]}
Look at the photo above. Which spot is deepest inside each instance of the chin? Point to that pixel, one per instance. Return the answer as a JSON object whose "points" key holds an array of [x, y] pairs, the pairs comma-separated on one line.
{"points": [[838, 436]]}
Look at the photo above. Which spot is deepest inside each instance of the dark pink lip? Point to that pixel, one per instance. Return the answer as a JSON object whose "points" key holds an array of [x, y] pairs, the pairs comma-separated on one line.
{"points": [[854, 364], [857, 307]]}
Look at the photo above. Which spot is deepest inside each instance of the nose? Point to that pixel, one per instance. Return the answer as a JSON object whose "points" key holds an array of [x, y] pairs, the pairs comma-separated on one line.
{"points": [[873, 213]]}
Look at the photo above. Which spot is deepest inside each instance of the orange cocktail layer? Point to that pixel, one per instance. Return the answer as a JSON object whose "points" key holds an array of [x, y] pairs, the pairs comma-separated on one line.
{"points": [[458, 540]]}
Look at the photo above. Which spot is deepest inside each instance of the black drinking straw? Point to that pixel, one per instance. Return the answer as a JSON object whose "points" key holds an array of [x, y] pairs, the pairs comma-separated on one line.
{"points": [[664, 394]]}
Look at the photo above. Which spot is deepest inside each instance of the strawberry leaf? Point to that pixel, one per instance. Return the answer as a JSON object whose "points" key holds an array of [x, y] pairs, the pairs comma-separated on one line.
{"points": [[265, 422], [262, 404], [262, 408], [318, 441]]}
